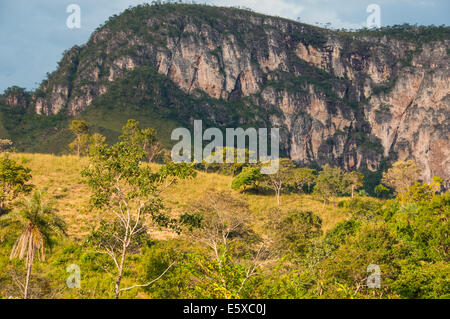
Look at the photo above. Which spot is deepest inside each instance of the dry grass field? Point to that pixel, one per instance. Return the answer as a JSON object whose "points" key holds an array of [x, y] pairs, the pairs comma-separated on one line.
{"points": [[60, 177]]}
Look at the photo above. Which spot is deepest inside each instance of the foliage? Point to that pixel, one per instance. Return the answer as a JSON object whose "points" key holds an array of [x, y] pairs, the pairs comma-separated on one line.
{"points": [[281, 178], [304, 177], [401, 175], [129, 191], [330, 182], [81, 131], [13, 181], [226, 233], [353, 180], [381, 191], [145, 138], [295, 230], [38, 222], [249, 176], [5, 145]]}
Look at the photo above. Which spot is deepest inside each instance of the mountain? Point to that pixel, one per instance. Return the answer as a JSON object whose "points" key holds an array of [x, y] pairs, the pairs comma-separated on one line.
{"points": [[354, 99]]}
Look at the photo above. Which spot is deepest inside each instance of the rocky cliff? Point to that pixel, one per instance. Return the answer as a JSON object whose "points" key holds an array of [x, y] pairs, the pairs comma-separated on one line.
{"points": [[351, 99]]}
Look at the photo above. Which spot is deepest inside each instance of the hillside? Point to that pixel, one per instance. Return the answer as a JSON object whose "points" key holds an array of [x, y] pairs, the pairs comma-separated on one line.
{"points": [[355, 100], [61, 177], [310, 248]]}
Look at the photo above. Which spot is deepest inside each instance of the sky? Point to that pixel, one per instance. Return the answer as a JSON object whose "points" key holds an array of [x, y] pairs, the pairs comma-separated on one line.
{"points": [[34, 34]]}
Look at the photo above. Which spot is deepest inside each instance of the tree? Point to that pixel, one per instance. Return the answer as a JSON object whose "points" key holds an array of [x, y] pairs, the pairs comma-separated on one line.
{"points": [[294, 231], [146, 138], [13, 181], [330, 182], [353, 180], [227, 167], [436, 184], [81, 130], [5, 145], [39, 222], [96, 140], [224, 230], [129, 191], [278, 181], [304, 177], [381, 190], [249, 176], [417, 193], [401, 176]]}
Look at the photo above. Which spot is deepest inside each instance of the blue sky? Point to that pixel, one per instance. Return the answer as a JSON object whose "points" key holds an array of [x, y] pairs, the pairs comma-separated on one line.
{"points": [[34, 33]]}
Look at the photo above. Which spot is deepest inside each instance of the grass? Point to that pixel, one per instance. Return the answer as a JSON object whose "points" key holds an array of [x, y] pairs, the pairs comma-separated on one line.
{"points": [[60, 177], [110, 122]]}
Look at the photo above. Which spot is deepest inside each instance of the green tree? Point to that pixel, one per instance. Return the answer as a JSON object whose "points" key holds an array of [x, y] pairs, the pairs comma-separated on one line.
{"points": [[304, 177], [249, 176], [381, 190], [39, 223], [345, 274], [330, 183], [416, 193], [282, 178], [401, 175], [13, 181], [81, 131], [96, 140], [146, 138], [436, 184], [5, 145], [294, 232], [129, 191], [224, 230], [227, 167], [353, 180]]}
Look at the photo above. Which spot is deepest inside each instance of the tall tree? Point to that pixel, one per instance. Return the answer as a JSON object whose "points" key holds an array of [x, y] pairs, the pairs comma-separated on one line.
{"points": [[5, 145], [278, 181], [13, 181], [39, 223], [130, 192], [250, 176], [329, 183], [381, 191], [81, 131], [146, 138], [401, 175], [353, 180], [304, 177], [225, 231]]}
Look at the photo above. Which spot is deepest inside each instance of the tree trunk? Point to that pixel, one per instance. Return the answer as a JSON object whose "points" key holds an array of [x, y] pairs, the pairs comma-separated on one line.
{"points": [[353, 188], [232, 177], [78, 145], [278, 196], [119, 277], [30, 264]]}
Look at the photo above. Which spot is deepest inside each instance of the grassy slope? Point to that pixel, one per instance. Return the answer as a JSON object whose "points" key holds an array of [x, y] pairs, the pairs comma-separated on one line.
{"points": [[41, 135], [60, 176]]}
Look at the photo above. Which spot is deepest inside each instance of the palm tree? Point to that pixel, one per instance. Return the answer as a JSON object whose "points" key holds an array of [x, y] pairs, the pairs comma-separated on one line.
{"points": [[39, 221]]}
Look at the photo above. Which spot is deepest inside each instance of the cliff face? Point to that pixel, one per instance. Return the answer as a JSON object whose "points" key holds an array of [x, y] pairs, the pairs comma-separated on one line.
{"points": [[347, 99]]}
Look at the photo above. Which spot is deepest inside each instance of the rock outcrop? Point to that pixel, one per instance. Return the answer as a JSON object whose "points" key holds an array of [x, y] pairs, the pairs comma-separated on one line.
{"points": [[351, 99]]}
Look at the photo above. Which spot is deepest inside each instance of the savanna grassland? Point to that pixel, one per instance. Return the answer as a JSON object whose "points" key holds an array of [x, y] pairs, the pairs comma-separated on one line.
{"points": [[321, 254], [359, 207]]}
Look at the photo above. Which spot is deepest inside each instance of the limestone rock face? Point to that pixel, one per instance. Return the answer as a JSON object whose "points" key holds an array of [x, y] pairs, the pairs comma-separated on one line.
{"points": [[347, 99]]}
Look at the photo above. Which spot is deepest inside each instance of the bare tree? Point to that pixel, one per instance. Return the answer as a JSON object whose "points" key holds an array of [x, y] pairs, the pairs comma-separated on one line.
{"points": [[225, 231]]}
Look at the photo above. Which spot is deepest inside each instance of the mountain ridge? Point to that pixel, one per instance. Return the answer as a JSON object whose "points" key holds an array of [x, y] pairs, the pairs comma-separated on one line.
{"points": [[350, 99]]}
